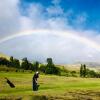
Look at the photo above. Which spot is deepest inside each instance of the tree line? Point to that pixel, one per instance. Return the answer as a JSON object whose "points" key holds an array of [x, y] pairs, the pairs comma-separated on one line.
{"points": [[49, 68], [25, 64]]}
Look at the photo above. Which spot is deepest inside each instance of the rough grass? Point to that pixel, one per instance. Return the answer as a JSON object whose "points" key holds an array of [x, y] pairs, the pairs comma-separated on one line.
{"points": [[51, 87]]}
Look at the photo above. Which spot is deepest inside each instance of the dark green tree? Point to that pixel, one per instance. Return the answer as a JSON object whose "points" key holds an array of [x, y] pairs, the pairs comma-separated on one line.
{"points": [[25, 64], [51, 68], [16, 63], [11, 61], [4, 61], [31, 66], [42, 68], [91, 73], [36, 66], [84, 70], [81, 71], [11, 58], [49, 61]]}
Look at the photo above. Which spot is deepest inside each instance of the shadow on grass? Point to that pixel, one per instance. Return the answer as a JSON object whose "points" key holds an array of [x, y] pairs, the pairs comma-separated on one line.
{"points": [[36, 97]]}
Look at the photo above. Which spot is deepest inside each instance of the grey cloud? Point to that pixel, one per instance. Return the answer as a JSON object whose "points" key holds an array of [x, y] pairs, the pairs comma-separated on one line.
{"points": [[9, 17]]}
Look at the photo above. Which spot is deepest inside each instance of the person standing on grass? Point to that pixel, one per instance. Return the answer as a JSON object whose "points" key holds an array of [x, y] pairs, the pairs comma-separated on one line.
{"points": [[35, 84]]}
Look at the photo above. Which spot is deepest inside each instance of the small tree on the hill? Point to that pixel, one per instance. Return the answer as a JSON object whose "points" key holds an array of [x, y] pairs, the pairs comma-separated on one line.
{"points": [[91, 73], [11, 61], [11, 58], [42, 68], [16, 63], [4, 61], [81, 70], [25, 64], [31, 66], [50, 67], [84, 70], [36, 66]]}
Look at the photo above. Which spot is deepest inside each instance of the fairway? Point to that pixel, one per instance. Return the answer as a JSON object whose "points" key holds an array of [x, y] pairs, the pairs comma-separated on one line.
{"points": [[51, 87]]}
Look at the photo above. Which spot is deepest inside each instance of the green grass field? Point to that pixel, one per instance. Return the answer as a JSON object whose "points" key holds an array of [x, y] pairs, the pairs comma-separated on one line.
{"points": [[51, 87]]}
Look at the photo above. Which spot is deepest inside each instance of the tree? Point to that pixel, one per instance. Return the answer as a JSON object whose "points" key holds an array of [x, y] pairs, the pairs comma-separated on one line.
{"points": [[4, 61], [81, 71], [11, 58], [49, 61], [36, 66], [31, 66], [25, 64], [84, 70], [91, 73], [42, 68], [11, 61], [51, 68], [16, 63]]}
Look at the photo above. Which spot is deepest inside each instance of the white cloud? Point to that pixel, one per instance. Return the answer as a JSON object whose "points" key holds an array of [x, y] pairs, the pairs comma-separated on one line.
{"points": [[38, 18], [9, 17], [55, 10], [56, 2], [26, 23]]}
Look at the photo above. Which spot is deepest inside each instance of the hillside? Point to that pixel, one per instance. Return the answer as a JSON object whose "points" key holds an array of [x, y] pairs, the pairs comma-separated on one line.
{"points": [[76, 67], [4, 55]]}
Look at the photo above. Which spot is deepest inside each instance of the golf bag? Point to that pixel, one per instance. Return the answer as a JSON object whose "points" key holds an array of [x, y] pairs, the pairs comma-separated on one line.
{"points": [[10, 83]]}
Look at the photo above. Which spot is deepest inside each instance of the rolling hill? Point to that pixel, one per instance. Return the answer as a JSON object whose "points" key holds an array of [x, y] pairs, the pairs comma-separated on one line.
{"points": [[76, 67], [4, 55]]}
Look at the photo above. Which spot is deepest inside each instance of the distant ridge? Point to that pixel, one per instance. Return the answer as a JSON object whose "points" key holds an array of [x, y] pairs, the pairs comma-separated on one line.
{"points": [[90, 64]]}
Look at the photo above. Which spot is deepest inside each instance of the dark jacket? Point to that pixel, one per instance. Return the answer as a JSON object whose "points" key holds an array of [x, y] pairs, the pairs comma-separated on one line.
{"points": [[35, 78]]}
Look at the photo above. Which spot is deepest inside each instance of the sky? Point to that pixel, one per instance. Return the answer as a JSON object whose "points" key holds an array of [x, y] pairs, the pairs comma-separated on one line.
{"points": [[73, 30]]}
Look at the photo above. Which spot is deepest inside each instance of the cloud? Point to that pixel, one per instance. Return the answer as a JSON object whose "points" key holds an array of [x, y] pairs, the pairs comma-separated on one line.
{"points": [[9, 17], [39, 17], [56, 2], [61, 49], [26, 23], [39, 47], [55, 10]]}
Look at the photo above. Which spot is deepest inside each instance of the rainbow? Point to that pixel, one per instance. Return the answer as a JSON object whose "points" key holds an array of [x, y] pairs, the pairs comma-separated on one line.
{"points": [[60, 33]]}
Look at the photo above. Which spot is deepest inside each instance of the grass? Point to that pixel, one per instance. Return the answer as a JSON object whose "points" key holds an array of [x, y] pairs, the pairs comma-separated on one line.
{"points": [[51, 87]]}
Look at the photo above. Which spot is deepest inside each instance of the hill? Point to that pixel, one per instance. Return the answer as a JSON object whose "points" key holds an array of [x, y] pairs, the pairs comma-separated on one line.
{"points": [[76, 67], [4, 55]]}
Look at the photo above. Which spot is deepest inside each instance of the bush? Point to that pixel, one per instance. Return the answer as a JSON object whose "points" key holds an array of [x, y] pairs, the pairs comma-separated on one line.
{"points": [[73, 73], [42, 68], [91, 73], [4, 61], [7, 69]]}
